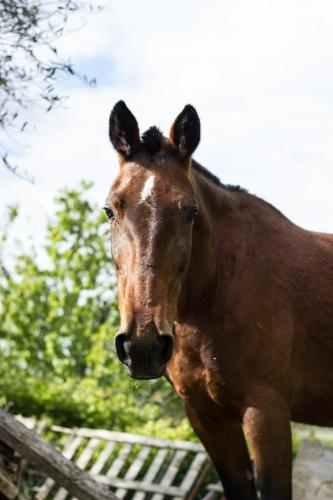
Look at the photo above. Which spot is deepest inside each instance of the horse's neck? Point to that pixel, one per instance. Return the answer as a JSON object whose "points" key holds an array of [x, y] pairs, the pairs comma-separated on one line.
{"points": [[224, 238], [213, 242]]}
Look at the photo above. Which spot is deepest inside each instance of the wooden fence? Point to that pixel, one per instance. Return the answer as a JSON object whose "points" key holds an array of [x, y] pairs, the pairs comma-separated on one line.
{"points": [[104, 465], [133, 466]]}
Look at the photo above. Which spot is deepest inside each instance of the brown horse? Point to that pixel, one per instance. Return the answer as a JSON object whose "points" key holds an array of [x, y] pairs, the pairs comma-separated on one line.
{"points": [[227, 297]]}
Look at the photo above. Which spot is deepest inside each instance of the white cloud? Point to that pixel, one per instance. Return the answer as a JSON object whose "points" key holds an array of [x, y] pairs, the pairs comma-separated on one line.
{"points": [[259, 74]]}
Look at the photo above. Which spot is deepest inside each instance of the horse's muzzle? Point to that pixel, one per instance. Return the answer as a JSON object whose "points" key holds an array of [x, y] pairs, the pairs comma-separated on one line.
{"points": [[145, 357]]}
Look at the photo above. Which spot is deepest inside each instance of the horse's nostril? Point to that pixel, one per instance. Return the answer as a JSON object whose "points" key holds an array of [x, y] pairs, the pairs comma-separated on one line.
{"points": [[144, 359], [121, 339], [167, 347]]}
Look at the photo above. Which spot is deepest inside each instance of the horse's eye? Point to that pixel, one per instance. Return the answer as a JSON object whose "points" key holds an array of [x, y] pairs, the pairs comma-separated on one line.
{"points": [[109, 212], [192, 213]]}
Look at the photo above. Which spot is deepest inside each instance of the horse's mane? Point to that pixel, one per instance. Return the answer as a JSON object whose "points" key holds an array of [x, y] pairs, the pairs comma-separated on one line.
{"points": [[152, 140], [215, 179]]}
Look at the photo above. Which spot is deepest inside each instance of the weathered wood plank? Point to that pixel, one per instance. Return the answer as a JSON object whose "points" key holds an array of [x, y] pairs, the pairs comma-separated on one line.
{"points": [[215, 487], [210, 496], [43, 456], [7, 488], [81, 462], [123, 437], [119, 462], [140, 486], [313, 472], [86, 454], [192, 494], [152, 471], [171, 472], [103, 457], [69, 451], [194, 471], [134, 468]]}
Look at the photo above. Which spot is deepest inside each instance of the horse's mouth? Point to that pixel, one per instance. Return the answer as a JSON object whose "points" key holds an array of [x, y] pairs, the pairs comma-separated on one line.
{"points": [[145, 376]]}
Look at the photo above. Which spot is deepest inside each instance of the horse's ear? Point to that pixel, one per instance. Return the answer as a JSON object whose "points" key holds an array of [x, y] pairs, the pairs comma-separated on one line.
{"points": [[124, 130], [185, 131]]}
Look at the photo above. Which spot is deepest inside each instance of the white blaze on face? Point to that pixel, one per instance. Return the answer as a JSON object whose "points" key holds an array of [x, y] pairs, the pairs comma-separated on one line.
{"points": [[147, 189], [146, 197]]}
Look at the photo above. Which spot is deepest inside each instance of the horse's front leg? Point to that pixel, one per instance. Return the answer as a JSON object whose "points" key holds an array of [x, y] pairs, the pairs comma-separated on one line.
{"points": [[267, 425], [224, 441]]}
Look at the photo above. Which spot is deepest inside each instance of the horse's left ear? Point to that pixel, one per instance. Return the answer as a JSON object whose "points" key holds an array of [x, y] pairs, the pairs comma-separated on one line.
{"points": [[185, 131]]}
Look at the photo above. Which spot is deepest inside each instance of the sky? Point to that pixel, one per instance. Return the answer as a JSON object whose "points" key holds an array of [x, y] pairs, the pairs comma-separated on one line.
{"points": [[259, 73]]}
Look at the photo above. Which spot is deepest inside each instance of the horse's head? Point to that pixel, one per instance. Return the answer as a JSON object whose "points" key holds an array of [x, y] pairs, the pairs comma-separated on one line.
{"points": [[151, 206]]}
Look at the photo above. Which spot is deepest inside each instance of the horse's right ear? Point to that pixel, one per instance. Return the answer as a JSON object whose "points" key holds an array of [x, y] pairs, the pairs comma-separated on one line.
{"points": [[124, 130]]}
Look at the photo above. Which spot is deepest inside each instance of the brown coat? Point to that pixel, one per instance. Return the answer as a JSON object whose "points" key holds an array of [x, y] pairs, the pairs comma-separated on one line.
{"points": [[218, 288]]}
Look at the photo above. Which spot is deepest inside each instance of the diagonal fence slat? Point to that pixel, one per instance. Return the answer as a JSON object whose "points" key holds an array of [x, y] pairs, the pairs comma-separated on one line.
{"points": [[69, 451], [193, 472], [103, 457], [87, 453], [134, 469], [81, 462], [171, 472], [120, 461], [152, 472], [61, 494]]}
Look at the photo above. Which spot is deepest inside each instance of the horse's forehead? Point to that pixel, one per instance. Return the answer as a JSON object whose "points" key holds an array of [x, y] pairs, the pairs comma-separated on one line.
{"points": [[129, 177], [142, 183], [134, 181]]}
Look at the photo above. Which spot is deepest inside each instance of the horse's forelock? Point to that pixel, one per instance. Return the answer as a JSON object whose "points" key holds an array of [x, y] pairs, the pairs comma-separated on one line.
{"points": [[152, 140]]}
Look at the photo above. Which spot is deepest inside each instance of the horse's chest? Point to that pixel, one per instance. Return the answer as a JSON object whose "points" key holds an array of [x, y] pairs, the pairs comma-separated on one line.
{"points": [[197, 383]]}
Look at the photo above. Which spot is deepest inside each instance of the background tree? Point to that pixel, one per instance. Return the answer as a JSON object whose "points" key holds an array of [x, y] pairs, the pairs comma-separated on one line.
{"points": [[30, 66], [58, 316]]}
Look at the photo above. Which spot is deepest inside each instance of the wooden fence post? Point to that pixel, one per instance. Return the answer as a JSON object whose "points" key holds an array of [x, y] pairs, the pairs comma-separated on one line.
{"points": [[42, 454]]}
